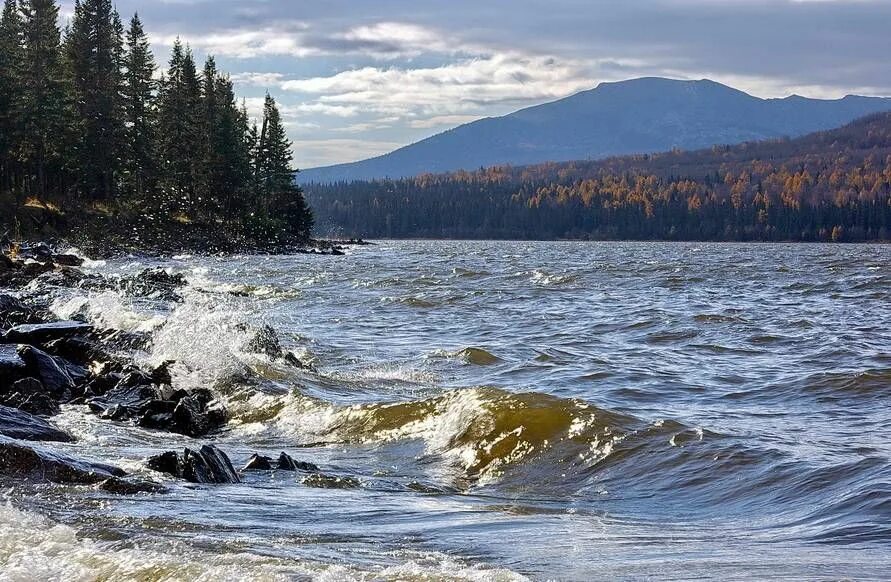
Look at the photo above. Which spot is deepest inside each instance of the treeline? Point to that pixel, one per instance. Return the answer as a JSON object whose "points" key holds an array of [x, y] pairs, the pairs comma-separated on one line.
{"points": [[829, 186], [92, 138]]}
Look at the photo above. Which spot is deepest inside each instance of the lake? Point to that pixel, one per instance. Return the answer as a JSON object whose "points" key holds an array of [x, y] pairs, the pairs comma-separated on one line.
{"points": [[502, 411]]}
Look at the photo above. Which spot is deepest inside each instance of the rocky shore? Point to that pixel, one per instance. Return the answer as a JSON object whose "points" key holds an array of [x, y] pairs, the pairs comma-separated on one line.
{"points": [[46, 364]]}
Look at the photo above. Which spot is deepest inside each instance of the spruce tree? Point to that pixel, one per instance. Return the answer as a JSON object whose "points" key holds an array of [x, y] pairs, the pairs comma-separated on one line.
{"points": [[139, 111], [42, 95], [95, 53], [10, 91], [278, 190], [180, 131]]}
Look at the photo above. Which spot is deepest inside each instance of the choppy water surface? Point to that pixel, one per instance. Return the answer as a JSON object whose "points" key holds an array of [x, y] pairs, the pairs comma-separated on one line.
{"points": [[543, 410]]}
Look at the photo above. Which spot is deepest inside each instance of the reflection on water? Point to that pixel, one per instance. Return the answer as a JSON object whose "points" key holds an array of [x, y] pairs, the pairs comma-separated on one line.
{"points": [[505, 410]]}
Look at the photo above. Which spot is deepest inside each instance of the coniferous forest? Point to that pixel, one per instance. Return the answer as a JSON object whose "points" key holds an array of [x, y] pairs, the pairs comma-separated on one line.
{"points": [[94, 142], [829, 186]]}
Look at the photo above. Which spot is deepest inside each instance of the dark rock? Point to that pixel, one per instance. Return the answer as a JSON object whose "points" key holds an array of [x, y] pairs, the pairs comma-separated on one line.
{"points": [[118, 486], [161, 374], [266, 341], [12, 366], [20, 460], [169, 463], [29, 394], [55, 374], [258, 463], [154, 284], [39, 333], [194, 416], [18, 424], [68, 260], [127, 399], [157, 414], [286, 463], [14, 312], [295, 361], [207, 465], [330, 481]]}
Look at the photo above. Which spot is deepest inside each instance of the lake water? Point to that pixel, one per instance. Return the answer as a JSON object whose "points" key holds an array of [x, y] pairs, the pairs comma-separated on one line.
{"points": [[503, 411]]}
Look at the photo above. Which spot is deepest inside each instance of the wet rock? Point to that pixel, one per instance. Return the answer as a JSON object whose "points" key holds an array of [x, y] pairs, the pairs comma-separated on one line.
{"points": [[118, 486], [154, 284], [14, 312], [19, 460], [127, 399], [68, 260], [57, 376], [286, 463], [12, 366], [207, 465], [265, 341], [39, 333], [330, 481], [18, 424], [197, 414], [29, 394], [169, 463], [258, 463]]}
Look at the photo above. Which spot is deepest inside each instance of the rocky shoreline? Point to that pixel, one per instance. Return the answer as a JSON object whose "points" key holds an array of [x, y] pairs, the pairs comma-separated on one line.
{"points": [[46, 363]]}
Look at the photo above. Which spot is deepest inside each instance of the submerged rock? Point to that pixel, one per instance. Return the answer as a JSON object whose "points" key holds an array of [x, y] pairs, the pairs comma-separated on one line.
{"points": [[286, 463], [119, 486], [207, 465], [330, 481], [19, 460], [18, 424]]}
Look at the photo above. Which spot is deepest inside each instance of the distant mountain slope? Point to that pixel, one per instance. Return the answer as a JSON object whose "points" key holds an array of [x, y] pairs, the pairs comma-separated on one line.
{"points": [[832, 185], [638, 116]]}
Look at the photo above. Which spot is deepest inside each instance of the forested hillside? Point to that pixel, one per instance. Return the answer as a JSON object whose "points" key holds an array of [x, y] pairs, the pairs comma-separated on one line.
{"points": [[833, 185], [92, 144]]}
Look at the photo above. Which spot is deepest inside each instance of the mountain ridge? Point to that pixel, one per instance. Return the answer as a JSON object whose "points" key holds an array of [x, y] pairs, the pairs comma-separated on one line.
{"points": [[644, 115]]}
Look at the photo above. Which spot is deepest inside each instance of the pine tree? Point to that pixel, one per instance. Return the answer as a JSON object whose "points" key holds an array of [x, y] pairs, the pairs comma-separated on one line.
{"points": [[95, 52], [10, 91], [139, 111], [42, 94], [278, 189], [180, 131]]}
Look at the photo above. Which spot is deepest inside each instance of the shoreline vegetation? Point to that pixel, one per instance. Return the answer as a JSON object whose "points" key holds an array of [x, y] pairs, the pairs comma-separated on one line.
{"points": [[832, 186], [98, 150]]}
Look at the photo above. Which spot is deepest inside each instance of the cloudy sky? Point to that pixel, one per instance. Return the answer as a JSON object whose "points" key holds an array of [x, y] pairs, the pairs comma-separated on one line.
{"points": [[357, 78]]}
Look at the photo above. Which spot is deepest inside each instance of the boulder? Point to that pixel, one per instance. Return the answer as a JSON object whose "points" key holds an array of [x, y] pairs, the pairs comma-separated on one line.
{"points": [[14, 312], [154, 284], [68, 260], [207, 465], [39, 333], [197, 414], [119, 486], [29, 394], [12, 366], [265, 341], [18, 424], [19, 460], [59, 378], [258, 463], [286, 463]]}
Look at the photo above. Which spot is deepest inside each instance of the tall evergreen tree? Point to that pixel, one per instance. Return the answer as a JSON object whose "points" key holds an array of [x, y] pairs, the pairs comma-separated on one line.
{"points": [[95, 53], [277, 186], [139, 112], [42, 94], [180, 130], [10, 90]]}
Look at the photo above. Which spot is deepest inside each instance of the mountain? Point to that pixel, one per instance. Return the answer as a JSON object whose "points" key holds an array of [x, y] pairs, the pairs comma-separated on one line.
{"points": [[639, 116], [832, 185]]}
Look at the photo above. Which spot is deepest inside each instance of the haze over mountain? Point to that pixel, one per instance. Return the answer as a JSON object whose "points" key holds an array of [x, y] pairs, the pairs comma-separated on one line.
{"points": [[637, 116]]}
